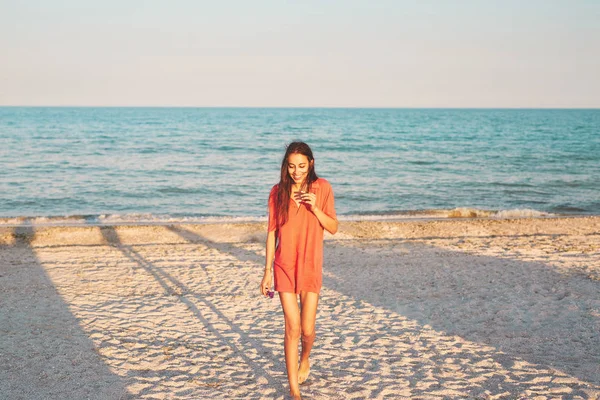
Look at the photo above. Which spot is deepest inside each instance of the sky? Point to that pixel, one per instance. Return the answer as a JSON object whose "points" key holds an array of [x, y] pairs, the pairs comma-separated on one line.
{"points": [[310, 53]]}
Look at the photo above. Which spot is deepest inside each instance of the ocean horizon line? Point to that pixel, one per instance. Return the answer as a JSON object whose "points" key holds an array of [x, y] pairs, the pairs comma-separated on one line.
{"points": [[300, 107]]}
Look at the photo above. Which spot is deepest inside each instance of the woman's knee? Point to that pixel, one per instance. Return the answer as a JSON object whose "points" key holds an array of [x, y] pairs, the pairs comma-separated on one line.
{"points": [[308, 332], [293, 331]]}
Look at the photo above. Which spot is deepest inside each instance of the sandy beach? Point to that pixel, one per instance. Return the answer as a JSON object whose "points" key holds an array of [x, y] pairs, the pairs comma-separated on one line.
{"points": [[440, 309]]}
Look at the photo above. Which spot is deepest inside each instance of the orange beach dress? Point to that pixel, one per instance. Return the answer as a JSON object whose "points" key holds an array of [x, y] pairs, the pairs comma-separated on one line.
{"points": [[298, 260]]}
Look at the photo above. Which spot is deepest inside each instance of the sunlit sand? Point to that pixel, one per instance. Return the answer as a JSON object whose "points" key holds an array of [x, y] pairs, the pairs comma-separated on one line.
{"points": [[431, 309]]}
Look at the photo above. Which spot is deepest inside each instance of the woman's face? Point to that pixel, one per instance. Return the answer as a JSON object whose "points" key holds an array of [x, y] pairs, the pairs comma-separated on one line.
{"points": [[298, 165]]}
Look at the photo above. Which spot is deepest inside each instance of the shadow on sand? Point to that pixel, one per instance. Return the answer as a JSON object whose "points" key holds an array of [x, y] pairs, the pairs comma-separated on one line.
{"points": [[42, 346], [246, 343], [524, 310]]}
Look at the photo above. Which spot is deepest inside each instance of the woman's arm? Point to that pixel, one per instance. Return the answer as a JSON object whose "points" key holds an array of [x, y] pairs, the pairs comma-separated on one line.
{"points": [[327, 222], [330, 224], [267, 280], [270, 252]]}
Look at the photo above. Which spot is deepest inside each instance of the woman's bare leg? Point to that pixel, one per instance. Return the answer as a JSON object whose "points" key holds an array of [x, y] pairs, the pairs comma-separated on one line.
{"points": [[291, 313], [308, 315]]}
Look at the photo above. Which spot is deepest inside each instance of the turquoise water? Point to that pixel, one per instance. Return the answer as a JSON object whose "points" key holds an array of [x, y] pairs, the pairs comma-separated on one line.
{"points": [[191, 163]]}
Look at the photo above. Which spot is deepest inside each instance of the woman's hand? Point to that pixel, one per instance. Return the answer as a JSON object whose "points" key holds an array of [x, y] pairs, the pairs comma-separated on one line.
{"points": [[308, 199], [267, 282]]}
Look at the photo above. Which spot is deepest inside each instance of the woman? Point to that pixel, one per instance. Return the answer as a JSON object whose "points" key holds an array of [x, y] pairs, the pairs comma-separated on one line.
{"points": [[301, 206]]}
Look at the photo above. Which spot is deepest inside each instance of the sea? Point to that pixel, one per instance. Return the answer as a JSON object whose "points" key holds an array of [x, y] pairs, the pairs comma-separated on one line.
{"points": [[113, 165]]}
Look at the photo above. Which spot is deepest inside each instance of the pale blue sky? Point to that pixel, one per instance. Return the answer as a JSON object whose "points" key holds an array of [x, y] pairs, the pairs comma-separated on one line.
{"points": [[471, 53]]}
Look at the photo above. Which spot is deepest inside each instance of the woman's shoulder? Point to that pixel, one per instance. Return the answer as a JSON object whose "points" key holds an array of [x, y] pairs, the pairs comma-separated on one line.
{"points": [[322, 183], [273, 192]]}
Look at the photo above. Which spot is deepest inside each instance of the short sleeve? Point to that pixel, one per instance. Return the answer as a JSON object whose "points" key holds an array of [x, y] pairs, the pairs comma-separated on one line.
{"points": [[273, 209], [328, 200]]}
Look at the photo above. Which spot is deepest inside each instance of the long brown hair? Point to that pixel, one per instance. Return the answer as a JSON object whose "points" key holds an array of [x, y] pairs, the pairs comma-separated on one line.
{"points": [[282, 201]]}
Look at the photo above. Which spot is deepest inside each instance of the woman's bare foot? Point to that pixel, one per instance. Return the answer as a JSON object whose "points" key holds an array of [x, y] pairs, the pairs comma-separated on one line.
{"points": [[303, 371], [295, 395]]}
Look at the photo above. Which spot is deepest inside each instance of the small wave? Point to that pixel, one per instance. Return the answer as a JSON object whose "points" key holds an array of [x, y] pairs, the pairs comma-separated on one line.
{"points": [[46, 221], [456, 213], [124, 219], [180, 190], [229, 148], [521, 213], [110, 219], [502, 214], [395, 216], [298, 128], [422, 162], [469, 213]]}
